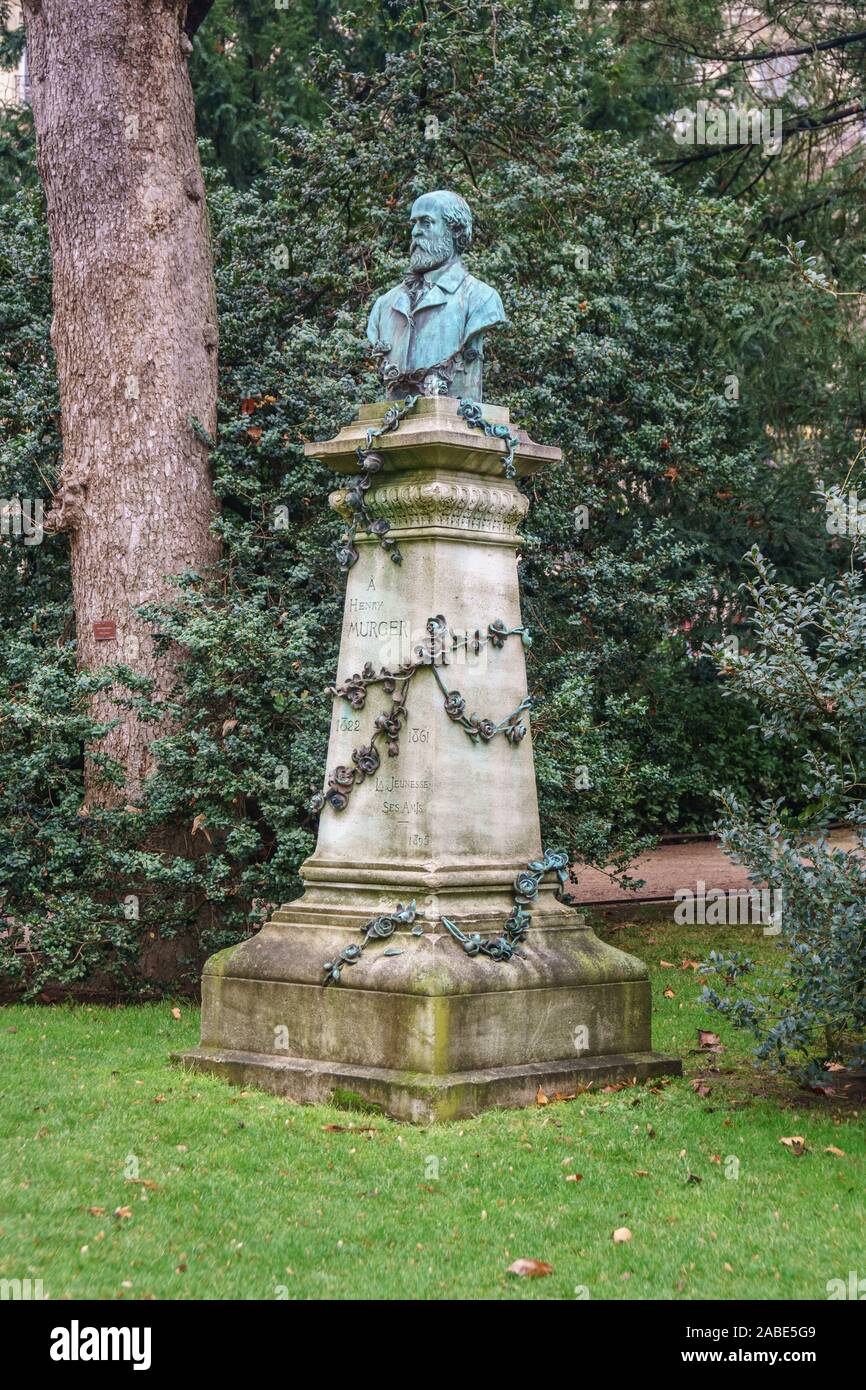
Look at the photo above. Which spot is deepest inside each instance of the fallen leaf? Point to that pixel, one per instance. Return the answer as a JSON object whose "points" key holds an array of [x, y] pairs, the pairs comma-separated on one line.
{"points": [[708, 1039], [831, 1149], [669, 994], [641, 1173], [700, 1087], [198, 824], [574, 1177], [541, 1098], [123, 1213], [667, 965], [175, 1013], [229, 725], [796, 1143], [690, 964], [96, 1211], [621, 1235], [530, 1269]]}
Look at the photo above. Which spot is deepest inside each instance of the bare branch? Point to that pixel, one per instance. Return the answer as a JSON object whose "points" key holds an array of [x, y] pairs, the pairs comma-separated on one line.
{"points": [[841, 41]]}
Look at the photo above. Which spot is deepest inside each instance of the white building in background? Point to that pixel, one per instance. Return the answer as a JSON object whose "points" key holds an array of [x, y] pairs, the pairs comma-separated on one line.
{"points": [[14, 86]]}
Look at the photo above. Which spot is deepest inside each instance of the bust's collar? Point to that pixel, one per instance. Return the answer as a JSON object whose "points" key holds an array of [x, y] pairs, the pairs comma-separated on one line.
{"points": [[449, 276], [437, 285]]}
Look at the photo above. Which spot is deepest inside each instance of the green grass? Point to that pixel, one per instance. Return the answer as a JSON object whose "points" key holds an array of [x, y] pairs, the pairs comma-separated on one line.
{"points": [[247, 1196]]}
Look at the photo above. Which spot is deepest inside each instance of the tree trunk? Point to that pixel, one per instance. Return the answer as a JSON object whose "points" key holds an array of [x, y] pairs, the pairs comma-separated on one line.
{"points": [[134, 329]]}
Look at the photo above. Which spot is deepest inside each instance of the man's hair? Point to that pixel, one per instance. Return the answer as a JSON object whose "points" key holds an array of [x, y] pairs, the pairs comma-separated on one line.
{"points": [[456, 215]]}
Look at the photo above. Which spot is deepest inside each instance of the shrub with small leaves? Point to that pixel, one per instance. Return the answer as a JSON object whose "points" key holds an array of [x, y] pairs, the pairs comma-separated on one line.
{"points": [[807, 671]]}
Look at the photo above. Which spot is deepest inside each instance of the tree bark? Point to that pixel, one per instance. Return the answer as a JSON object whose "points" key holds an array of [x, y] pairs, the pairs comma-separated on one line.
{"points": [[134, 330]]}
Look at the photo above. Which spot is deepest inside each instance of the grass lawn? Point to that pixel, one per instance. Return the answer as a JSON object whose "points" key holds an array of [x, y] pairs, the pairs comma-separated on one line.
{"points": [[227, 1194]]}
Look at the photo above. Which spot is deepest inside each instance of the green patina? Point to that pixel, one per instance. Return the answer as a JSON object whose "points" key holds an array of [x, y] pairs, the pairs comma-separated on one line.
{"points": [[499, 948], [428, 332]]}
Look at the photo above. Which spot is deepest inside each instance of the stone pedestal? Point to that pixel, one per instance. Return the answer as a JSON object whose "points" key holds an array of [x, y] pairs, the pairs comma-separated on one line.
{"points": [[431, 1032]]}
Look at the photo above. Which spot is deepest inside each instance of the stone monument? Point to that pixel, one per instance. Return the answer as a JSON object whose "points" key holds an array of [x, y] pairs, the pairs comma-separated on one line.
{"points": [[435, 965]]}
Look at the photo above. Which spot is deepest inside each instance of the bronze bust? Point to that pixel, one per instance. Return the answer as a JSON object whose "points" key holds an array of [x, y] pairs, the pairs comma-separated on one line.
{"points": [[429, 331]]}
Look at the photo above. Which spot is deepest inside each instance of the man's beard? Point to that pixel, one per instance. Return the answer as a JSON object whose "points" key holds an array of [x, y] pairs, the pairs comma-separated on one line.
{"points": [[429, 252]]}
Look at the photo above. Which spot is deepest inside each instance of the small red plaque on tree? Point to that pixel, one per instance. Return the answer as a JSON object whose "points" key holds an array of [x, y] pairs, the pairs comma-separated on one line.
{"points": [[105, 631]]}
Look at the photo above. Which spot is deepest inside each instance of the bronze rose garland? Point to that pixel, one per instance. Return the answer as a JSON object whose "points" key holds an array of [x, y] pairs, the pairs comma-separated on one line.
{"points": [[500, 948], [366, 760], [370, 463]]}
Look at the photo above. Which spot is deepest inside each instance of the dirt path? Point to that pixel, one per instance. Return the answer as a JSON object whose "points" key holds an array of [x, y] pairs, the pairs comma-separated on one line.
{"points": [[672, 867]]}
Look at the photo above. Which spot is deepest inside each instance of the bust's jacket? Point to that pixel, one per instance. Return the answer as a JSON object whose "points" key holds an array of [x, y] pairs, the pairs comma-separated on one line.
{"points": [[453, 309]]}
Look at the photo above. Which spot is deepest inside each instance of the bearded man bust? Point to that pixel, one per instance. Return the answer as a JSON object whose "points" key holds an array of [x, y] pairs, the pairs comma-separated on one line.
{"points": [[429, 331]]}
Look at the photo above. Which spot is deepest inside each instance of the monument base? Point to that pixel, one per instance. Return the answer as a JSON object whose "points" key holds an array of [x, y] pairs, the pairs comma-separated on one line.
{"points": [[426, 1032], [420, 1098]]}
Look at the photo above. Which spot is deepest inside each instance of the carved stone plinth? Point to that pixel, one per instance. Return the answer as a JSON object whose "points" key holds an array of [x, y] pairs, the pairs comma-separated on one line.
{"points": [[429, 1032]]}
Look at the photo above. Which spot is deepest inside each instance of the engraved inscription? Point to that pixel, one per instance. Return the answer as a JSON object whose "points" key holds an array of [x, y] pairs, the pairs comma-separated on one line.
{"points": [[403, 784], [386, 627], [365, 605]]}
